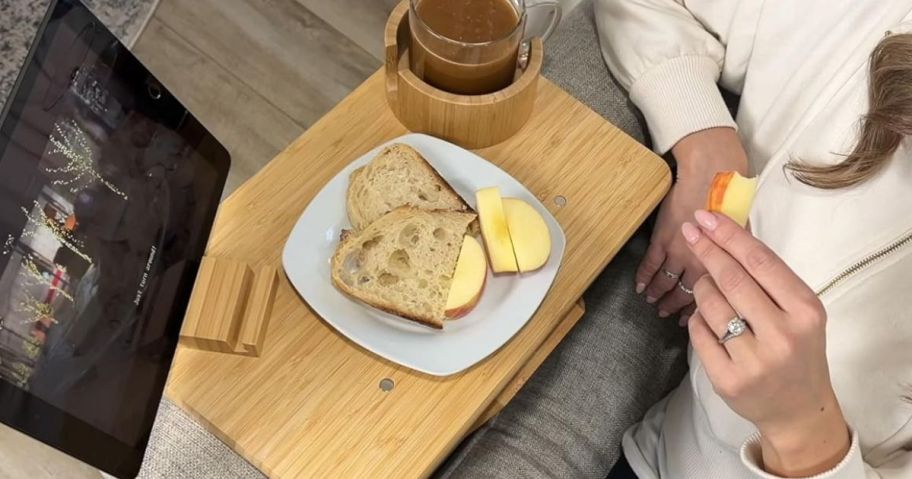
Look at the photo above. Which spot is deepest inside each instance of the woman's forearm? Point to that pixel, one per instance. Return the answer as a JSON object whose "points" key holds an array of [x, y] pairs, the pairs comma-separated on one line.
{"points": [[669, 61]]}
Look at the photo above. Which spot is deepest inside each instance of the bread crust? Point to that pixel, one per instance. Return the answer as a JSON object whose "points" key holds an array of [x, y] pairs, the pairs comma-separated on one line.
{"points": [[391, 309], [386, 307], [350, 206]]}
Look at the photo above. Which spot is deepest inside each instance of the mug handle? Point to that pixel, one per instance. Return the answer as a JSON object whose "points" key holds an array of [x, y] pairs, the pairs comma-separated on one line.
{"points": [[525, 46], [555, 13]]}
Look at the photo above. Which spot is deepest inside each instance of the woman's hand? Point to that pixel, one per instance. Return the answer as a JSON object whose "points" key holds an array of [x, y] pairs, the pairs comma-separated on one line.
{"points": [[775, 374], [668, 260]]}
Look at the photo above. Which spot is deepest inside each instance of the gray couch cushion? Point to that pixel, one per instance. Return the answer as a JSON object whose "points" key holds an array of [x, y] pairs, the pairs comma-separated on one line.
{"points": [[568, 420], [573, 60]]}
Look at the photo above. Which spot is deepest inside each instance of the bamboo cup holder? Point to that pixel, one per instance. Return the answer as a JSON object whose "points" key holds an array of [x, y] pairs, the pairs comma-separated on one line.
{"points": [[230, 307], [471, 121]]}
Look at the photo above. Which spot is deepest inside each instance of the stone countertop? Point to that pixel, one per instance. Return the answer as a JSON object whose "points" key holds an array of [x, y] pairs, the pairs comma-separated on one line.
{"points": [[20, 18]]}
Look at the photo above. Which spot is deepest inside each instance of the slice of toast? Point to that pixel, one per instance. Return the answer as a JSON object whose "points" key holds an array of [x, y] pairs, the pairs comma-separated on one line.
{"points": [[397, 176], [403, 263]]}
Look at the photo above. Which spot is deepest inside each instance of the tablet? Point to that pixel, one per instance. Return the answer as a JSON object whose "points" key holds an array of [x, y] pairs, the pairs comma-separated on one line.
{"points": [[108, 191]]}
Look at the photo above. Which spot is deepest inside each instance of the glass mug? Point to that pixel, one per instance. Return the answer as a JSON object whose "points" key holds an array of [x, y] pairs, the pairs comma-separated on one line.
{"points": [[470, 47]]}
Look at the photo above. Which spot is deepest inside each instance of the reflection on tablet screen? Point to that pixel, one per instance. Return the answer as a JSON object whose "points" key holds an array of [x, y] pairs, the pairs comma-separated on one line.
{"points": [[107, 193]]}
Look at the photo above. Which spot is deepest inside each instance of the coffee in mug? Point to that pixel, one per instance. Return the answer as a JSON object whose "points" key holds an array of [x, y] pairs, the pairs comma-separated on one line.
{"points": [[469, 47]]}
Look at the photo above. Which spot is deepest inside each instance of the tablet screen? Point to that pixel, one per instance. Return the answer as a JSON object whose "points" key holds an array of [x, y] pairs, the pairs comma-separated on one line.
{"points": [[108, 189]]}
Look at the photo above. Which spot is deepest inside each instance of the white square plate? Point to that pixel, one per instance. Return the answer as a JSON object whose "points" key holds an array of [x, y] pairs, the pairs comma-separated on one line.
{"points": [[506, 304]]}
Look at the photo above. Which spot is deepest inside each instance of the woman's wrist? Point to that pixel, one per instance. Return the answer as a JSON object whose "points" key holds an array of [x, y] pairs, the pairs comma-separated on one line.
{"points": [[809, 445], [708, 151]]}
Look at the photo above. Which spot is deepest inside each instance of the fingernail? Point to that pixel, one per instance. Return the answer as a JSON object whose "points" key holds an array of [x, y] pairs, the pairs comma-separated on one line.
{"points": [[690, 232], [640, 287], [664, 314], [650, 299], [706, 219]]}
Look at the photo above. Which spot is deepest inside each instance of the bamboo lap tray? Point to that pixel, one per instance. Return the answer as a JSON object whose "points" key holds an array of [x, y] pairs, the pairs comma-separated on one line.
{"points": [[311, 405]]}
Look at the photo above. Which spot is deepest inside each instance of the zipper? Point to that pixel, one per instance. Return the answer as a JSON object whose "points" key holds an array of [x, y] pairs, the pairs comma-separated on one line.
{"points": [[865, 262]]}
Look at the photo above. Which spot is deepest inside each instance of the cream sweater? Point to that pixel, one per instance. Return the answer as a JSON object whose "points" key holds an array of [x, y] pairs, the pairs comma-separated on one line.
{"points": [[800, 67]]}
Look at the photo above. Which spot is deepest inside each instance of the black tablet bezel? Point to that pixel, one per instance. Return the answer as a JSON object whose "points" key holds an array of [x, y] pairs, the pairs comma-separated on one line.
{"points": [[31, 415]]}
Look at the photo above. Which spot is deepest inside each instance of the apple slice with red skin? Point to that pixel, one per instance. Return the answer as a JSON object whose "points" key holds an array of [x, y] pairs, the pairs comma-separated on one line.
{"points": [[469, 279], [732, 195]]}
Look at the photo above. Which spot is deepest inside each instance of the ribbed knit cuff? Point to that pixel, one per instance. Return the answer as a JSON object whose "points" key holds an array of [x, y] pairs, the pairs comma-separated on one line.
{"points": [[851, 466], [680, 97]]}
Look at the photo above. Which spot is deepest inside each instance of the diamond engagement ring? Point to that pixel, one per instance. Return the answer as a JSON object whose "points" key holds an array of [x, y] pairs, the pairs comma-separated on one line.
{"points": [[686, 290], [736, 327], [670, 275]]}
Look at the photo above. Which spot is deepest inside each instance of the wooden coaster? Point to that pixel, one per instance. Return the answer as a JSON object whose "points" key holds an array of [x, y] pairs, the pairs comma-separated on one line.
{"points": [[230, 307], [470, 121]]}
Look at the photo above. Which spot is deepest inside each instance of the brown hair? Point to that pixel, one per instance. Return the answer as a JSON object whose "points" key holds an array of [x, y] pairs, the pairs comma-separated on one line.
{"points": [[888, 121]]}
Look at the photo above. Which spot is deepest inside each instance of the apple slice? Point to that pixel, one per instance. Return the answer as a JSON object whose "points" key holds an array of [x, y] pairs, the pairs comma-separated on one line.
{"points": [[494, 230], [468, 279], [529, 234], [732, 195]]}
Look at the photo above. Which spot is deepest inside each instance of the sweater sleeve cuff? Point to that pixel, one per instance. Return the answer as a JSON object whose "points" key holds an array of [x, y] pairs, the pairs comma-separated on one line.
{"points": [[851, 466], [679, 97]]}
